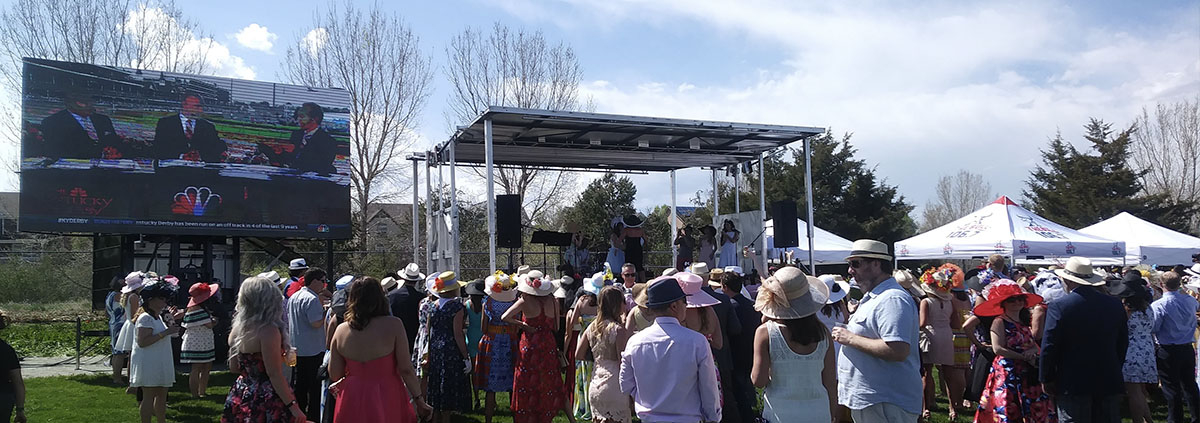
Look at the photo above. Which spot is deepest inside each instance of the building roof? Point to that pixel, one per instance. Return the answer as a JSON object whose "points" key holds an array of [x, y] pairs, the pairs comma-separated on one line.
{"points": [[602, 142]]}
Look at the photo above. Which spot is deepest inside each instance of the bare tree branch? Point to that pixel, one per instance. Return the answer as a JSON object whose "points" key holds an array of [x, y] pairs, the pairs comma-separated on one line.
{"points": [[1166, 150], [957, 196]]}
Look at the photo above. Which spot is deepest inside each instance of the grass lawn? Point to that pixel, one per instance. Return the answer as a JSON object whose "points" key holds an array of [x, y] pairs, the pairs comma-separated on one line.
{"points": [[94, 399], [54, 339]]}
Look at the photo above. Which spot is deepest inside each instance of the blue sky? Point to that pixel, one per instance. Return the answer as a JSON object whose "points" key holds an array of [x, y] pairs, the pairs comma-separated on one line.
{"points": [[927, 87]]}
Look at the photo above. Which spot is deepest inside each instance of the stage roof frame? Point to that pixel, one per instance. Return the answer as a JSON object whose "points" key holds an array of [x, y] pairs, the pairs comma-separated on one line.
{"points": [[599, 141]]}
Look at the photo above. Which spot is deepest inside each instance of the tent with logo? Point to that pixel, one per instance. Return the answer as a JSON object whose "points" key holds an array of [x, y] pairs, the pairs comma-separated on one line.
{"points": [[828, 248], [1145, 242], [1006, 228]]}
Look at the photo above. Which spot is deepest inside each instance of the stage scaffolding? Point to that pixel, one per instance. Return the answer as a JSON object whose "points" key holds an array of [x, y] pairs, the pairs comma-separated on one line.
{"points": [[593, 142]]}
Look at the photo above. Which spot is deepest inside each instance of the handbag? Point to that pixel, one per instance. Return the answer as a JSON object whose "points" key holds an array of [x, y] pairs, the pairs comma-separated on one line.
{"points": [[923, 343]]}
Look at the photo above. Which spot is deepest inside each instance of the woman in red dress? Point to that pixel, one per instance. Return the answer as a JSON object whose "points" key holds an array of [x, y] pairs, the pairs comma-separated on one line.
{"points": [[1013, 393], [538, 390]]}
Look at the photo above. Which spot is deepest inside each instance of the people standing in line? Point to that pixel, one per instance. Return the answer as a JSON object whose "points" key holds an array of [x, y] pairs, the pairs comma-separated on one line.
{"points": [[668, 369], [12, 385], [685, 248], [198, 347], [742, 344], [707, 251], [306, 323], [793, 360], [116, 321], [578, 320], [132, 303], [1012, 392], [405, 301], [259, 348], [538, 390], [1174, 332], [936, 312], [729, 239], [1140, 369], [474, 331], [878, 368], [498, 346], [368, 362], [602, 343], [1083, 347], [151, 366], [296, 269], [449, 362]]}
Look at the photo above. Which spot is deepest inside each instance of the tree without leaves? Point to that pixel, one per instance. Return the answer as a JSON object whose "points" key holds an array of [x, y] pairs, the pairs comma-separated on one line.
{"points": [[376, 58], [516, 69], [1166, 149], [957, 196]]}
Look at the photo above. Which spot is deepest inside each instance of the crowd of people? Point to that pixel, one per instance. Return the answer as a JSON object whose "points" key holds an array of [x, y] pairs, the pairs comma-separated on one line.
{"points": [[695, 344]]}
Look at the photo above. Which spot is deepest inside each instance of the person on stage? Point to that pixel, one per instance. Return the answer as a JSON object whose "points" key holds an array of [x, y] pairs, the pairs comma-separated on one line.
{"points": [[708, 246], [729, 238], [635, 239], [616, 242], [187, 136]]}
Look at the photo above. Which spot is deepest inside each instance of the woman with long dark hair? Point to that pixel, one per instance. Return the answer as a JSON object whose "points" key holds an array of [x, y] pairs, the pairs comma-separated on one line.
{"points": [[793, 362], [729, 239], [368, 362], [1140, 369], [603, 341]]}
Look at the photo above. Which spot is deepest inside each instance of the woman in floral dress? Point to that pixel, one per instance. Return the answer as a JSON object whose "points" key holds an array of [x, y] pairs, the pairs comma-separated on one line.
{"points": [[1012, 393], [538, 390], [1140, 369], [449, 363], [257, 343], [494, 363]]}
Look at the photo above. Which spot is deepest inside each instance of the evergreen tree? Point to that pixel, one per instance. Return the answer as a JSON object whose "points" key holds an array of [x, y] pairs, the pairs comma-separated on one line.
{"points": [[603, 199], [1077, 189]]}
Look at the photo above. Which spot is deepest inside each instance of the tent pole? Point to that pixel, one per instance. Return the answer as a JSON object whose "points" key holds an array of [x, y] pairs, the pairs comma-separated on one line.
{"points": [[416, 235], [716, 207], [737, 189], [762, 208], [491, 194], [428, 214], [453, 210], [674, 225], [808, 193], [440, 261]]}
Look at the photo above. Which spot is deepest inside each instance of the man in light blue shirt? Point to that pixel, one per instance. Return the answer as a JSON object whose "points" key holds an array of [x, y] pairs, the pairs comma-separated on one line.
{"points": [[306, 325], [1174, 330], [879, 375]]}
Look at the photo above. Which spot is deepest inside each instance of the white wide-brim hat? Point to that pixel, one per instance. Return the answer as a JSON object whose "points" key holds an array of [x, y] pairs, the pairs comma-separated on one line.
{"points": [[838, 287], [869, 248], [533, 283], [499, 289], [1079, 270], [411, 273], [1193, 271], [790, 294]]}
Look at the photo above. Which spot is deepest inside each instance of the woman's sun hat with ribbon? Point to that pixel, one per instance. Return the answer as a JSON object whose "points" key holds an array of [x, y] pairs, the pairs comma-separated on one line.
{"points": [[1047, 284], [446, 282], [158, 289], [838, 287], [499, 287], [201, 292], [941, 280], [790, 294], [998, 291], [343, 282], [692, 285], [1079, 270], [593, 285], [533, 283], [133, 282]]}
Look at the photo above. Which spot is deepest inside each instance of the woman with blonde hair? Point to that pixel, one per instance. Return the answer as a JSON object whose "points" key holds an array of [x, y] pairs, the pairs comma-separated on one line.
{"points": [[603, 342], [257, 348]]}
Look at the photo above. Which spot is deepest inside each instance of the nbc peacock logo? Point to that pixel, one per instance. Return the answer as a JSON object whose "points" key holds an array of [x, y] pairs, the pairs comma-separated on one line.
{"points": [[195, 201]]}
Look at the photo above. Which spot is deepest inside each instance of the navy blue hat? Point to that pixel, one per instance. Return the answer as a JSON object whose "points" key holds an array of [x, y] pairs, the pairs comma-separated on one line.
{"points": [[663, 293]]}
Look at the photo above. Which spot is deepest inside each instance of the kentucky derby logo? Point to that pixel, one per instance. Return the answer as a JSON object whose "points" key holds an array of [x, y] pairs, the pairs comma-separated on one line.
{"points": [[903, 250], [1023, 248], [947, 250], [77, 200], [970, 227], [1070, 248], [195, 201], [1116, 249], [1037, 228]]}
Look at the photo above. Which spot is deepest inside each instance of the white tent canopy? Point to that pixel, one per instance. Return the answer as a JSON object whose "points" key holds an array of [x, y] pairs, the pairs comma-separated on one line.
{"points": [[1006, 228], [828, 248], [1146, 242]]}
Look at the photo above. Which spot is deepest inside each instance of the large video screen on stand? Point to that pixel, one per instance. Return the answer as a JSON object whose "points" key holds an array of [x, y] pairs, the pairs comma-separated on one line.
{"points": [[116, 150]]}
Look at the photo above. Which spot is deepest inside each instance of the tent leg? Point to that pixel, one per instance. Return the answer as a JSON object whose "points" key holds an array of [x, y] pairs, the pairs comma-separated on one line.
{"points": [[491, 194], [453, 212], [716, 206], [737, 189], [762, 208], [428, 214], [674, 225], [416, 221], [808, 192]]}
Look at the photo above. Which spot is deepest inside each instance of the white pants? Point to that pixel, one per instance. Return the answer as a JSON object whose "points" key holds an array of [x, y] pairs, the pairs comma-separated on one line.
{"points": [[885, 412]]}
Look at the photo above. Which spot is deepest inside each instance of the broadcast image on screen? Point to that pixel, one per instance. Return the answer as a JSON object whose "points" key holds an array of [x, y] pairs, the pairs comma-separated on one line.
{"points": [[116, 150]]}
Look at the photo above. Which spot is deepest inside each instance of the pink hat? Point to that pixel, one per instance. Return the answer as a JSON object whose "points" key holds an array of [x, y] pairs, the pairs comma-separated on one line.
{"points": [[201, 292], [693, 285]]}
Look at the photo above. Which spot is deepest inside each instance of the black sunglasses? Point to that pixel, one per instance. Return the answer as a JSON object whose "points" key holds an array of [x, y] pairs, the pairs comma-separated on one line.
{"points": [[629, 274], [856, 263]]}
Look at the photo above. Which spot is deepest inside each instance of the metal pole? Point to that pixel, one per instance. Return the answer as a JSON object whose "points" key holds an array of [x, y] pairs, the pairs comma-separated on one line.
{"points": [[737, 189], [674, 225], [491, 194], [453, 211], [416, 221], [762, 205], [428, 214], [716, 207], [808, 194], [439, 260]]}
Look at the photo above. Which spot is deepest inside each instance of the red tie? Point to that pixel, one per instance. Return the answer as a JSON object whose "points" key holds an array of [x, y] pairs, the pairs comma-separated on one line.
{"points": [[187, 129]]}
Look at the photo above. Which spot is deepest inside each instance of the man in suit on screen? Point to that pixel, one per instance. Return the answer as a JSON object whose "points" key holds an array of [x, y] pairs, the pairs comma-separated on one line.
{"points": [[78, 132], [313, 148], [186, 135]]}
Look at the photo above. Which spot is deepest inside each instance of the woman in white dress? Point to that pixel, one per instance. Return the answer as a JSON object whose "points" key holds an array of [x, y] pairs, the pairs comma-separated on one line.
{"points": [[132, 302], [151, 367], [793, 362], [729, 239]]}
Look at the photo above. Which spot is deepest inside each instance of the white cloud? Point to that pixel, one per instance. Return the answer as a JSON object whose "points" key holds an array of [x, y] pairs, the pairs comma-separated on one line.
{"points": [[926, 90], [315, 39], [167, 43], [256, 37]]}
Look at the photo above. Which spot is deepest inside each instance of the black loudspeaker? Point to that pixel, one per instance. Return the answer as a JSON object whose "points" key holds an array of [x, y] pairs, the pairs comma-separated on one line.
{"points": [[786, 232], [508, 221]]}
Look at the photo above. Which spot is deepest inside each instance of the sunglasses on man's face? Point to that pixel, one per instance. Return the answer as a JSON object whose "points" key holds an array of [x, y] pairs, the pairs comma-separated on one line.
{"points": [[629, 275], [856, 263]]}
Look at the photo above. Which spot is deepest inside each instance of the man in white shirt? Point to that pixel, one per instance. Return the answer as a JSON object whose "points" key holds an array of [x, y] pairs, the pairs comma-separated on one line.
{"points": [[306, 325], [668, 368], [188, 136]]}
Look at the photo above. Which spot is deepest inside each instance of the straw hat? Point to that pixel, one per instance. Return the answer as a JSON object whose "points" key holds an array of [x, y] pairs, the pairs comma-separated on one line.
{"points": [[699, 268], [411, 273], [869, 248], [790, 294], [639, 294], [1193, 271], [531, 283], [298, 264], [388, 283], [272, 276], [909, 282], [499, 288], [201, 292], [999, 291], [670, 271], [523, 269], [559, 291], [692, 285], [837, 286], [1079, 270], [446, 282], [939, 281]]}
